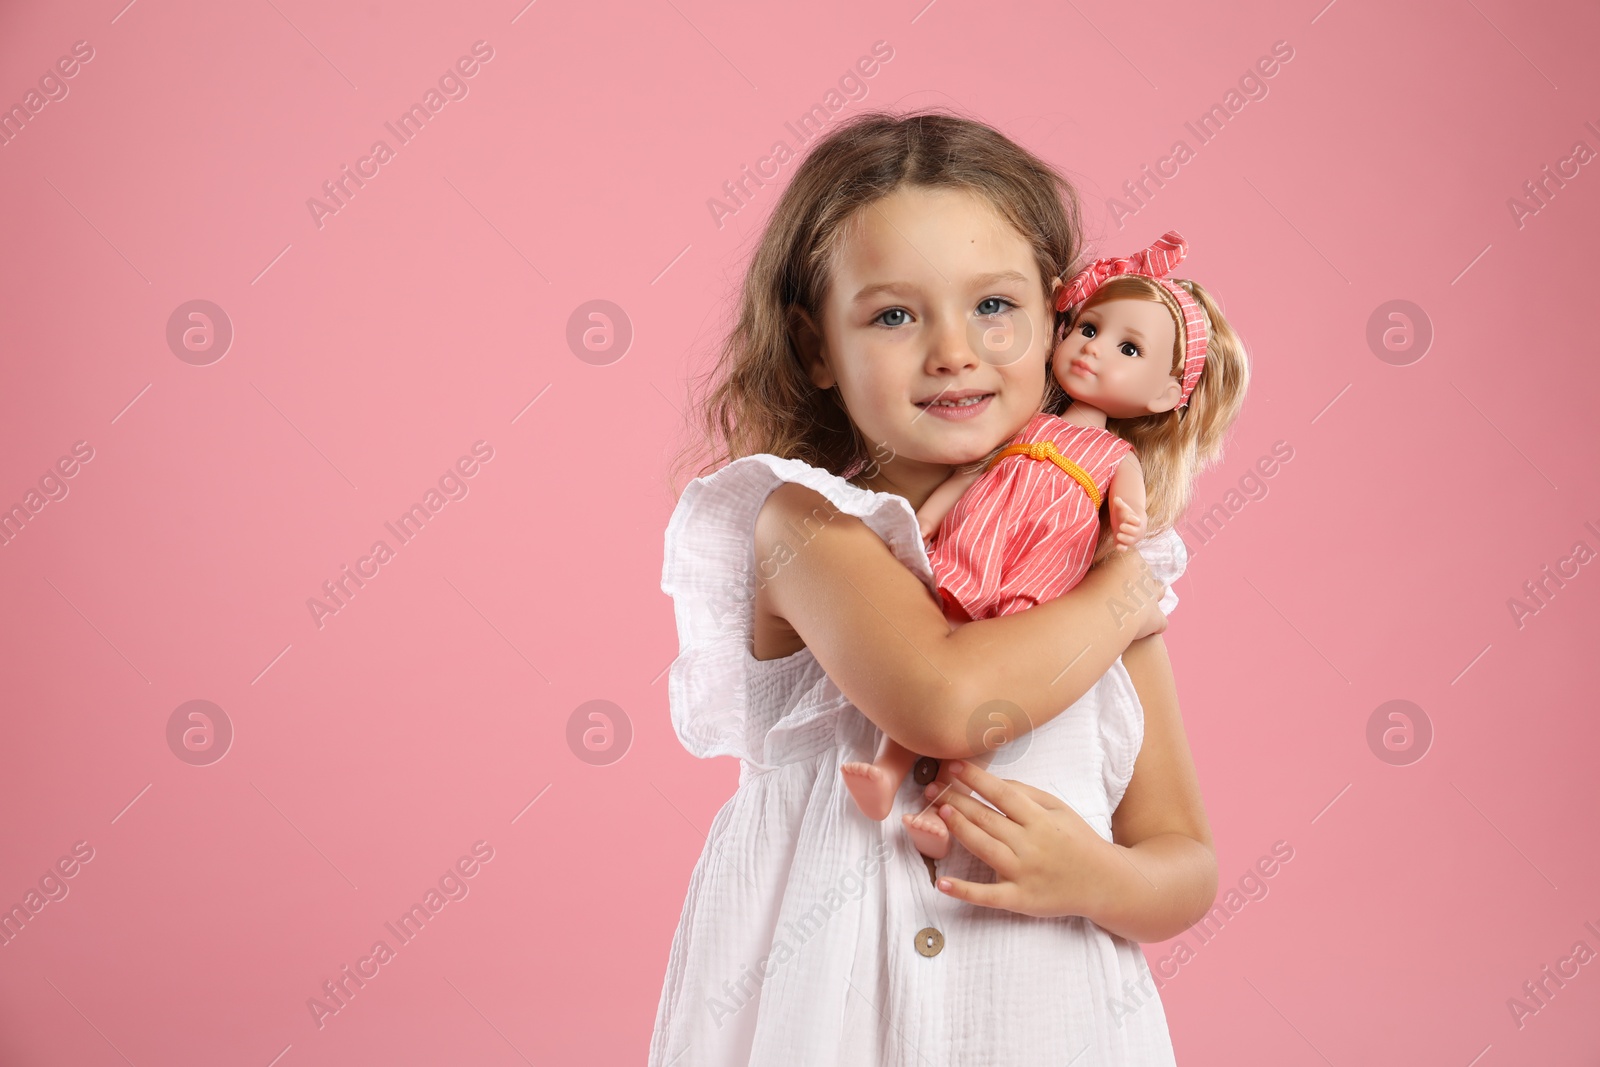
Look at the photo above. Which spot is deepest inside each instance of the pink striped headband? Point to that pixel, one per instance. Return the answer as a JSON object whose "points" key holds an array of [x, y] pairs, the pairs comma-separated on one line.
{"points": [[1154, 263]]}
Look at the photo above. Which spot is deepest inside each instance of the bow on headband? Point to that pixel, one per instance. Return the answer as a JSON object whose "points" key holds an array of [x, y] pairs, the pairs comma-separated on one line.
{"points": [[1155, 263]]}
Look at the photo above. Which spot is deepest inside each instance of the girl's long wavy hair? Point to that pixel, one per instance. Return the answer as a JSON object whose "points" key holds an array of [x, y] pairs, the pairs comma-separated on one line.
{"points": [[1175, 446], [758, 397]]}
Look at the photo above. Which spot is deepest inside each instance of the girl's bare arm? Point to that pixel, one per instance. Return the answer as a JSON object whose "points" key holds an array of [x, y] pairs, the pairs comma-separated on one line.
{"points": [[883, 640], [1169, 877]]}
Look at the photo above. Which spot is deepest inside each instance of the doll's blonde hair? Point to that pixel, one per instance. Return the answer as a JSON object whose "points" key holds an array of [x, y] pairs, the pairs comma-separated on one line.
{"points": [[758, 397], [1175, 446]]}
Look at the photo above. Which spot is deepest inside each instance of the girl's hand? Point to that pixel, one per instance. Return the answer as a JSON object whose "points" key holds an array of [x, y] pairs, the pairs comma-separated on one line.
{"points": [[1049, 861], [1153, 622], [1140, 602], [1129, 521]]}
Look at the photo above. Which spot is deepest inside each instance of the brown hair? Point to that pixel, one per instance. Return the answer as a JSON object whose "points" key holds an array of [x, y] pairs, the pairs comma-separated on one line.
{"points": [[1174, 446], [758, 397]]}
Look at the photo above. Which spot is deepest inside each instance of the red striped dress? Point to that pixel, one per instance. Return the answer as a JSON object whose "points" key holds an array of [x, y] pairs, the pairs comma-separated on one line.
{"points": [[1025, 532]]}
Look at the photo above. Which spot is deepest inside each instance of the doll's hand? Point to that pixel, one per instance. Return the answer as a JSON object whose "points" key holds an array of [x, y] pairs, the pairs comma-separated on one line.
{"points": [[1128, 520], [1048, 860], [944, 496]]}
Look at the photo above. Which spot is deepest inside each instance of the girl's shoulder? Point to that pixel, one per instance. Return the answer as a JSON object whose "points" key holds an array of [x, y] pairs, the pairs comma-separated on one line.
{"points": [[713, 527], [744, 485]]}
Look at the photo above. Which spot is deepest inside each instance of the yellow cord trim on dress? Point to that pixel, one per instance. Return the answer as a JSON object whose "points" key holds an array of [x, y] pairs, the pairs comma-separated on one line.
{"points": [[1047, 450]]}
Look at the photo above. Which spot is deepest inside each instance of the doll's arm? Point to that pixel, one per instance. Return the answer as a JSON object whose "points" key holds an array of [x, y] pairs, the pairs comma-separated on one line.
{"points": [[1128, 516], [942, 499]]}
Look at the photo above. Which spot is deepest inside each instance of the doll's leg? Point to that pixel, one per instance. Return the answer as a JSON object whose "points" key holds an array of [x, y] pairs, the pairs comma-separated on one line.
{"points": [[875, 784], [927, 831]]}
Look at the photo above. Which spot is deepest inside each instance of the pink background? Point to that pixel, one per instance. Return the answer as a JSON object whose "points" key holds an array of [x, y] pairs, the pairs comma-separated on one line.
{"points": [[369, 354]]}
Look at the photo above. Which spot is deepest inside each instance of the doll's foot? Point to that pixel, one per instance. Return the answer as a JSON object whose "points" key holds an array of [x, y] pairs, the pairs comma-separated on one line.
{"points": [[872, 787], [929, 833]]}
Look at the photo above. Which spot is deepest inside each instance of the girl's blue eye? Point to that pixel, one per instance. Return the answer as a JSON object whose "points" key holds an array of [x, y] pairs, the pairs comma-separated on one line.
{"points": [[1000, 300], [1128, 348], [892, 311]]}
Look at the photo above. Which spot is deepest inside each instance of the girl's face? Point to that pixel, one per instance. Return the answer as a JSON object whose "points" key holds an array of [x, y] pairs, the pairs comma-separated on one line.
{"points": [[1117, 356], [934, 330]]}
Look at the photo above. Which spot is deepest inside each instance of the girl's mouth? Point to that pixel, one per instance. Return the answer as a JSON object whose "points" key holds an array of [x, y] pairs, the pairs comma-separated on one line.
{"points": [[968, 407]]}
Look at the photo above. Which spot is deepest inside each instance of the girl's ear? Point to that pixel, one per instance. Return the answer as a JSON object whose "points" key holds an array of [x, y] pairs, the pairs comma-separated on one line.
{"points": [[808, 344]]}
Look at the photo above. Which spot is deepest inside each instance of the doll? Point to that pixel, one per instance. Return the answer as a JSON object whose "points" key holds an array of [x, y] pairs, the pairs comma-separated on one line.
{"points": [[1133, 356]]}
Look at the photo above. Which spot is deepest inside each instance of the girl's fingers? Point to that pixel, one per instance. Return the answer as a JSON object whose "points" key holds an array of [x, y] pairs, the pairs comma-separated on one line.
{"points": [[985, 818], [977, 840], [943, 784], [1017, 806], [988, 894], [1048, 801]]}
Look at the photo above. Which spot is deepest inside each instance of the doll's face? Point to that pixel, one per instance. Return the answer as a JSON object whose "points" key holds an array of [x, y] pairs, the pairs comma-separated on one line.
{"points": [[922, 278], [1117, 356]]}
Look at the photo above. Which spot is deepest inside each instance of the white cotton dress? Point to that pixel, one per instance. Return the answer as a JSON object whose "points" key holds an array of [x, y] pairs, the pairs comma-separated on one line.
{"points": [[798, 941]]}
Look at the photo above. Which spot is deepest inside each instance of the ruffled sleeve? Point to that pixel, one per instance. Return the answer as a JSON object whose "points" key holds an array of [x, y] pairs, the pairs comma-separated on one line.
{"points": [[1168, 556], [723, 700]]}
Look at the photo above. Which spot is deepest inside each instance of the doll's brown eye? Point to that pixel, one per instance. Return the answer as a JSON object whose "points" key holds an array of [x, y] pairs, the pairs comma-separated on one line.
{"points": [[1087, 329], [1128, 348]]}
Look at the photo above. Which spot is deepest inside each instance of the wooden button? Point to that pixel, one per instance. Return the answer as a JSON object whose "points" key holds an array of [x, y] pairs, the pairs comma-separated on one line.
{"points": [[930, 942], [925, 770]]}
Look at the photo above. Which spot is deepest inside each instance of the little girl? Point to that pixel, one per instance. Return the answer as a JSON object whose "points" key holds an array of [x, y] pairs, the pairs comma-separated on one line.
{"points": [[1022, 530], [810, 626]]}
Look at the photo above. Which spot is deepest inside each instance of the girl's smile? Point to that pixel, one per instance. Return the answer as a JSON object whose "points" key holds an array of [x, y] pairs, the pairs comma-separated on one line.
{"points": [[957, 404]]}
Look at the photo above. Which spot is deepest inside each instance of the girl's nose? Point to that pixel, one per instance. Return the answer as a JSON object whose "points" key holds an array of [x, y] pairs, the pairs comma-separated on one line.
{"points": [[951, 349]]}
